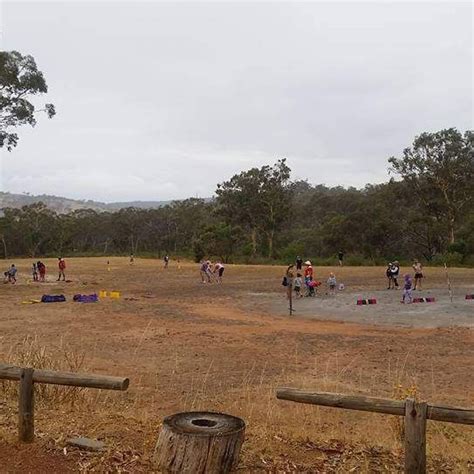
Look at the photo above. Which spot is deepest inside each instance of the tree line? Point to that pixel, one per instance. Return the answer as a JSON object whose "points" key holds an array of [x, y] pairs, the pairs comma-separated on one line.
{"points": [[262, 215]]}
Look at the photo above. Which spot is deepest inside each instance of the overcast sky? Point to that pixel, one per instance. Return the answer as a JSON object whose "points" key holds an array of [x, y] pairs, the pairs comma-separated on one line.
{"points": [[164, 100]]}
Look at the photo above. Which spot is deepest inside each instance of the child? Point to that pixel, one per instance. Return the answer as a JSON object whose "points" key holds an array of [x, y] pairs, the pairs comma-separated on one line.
{"points": [[34, 271], [310, 285], [407, 296], [332, 283], [12, 274], [298, 283], [166, 261]]}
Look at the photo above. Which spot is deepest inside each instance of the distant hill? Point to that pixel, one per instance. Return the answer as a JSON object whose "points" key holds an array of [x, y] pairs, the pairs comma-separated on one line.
{"points": [[63, 205]]}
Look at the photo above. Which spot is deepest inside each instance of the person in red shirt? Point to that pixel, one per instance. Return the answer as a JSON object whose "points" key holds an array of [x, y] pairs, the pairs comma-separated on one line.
{"points": [[308, 271], [62, 267]]}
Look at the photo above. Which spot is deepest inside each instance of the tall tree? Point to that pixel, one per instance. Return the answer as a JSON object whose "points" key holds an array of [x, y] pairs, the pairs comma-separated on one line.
{"points": [[257, 200], [19, 80], [440, 168]]}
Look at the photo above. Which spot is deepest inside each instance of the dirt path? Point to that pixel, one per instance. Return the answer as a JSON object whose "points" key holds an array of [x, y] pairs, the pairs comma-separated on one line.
{"points": [[387, 311]]}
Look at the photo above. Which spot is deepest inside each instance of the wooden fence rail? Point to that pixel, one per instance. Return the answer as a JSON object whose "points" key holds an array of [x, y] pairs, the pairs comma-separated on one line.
{"points": [[28, 377], [415, 414]]}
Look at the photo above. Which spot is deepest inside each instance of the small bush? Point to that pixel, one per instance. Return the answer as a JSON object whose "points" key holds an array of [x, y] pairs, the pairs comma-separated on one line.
{"points": [[451, 258], [469, 261], [458, 247], [291, 251]]}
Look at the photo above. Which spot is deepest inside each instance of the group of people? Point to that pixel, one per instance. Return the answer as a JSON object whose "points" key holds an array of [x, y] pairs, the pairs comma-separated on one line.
{"points": [[304, 283], [410, 284], [393, 271], [211, 272], [38, 271]]}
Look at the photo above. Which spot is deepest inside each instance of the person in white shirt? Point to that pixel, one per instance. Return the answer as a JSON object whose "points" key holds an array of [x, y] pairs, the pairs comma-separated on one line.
{"points": [[219, 269]]}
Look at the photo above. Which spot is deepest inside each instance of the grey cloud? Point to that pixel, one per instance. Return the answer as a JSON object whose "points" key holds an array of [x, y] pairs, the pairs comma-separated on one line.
{"points": [[164, 100]]}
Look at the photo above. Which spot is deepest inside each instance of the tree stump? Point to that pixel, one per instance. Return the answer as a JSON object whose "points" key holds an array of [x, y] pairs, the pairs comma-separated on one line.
{"points": [[199, 442]]}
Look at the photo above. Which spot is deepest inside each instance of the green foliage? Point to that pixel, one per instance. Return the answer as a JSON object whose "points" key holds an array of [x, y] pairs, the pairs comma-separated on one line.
{"points": [[198, 250], [289, 253], [19, 79], [459, 247], [220, 240], [452, 259], [257, 200], [440, 169]]}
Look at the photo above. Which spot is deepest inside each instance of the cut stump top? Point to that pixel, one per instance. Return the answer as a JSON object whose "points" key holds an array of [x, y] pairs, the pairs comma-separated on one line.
{"points": [[204, 423]]}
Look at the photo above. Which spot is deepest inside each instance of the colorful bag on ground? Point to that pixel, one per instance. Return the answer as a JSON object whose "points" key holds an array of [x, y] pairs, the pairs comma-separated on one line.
{"points": [[53, 298], [86, 298]]}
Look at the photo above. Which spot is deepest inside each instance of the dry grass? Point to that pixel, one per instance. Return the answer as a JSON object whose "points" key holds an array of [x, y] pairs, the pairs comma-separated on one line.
{"points": [[30, 352]]}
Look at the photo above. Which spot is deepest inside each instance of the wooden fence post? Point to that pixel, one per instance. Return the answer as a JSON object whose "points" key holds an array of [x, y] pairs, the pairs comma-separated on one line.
{"points": [[415, 437], [26, 422]]}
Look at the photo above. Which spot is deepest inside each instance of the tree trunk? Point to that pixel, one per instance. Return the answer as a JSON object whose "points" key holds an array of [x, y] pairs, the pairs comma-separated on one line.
{"points": [[136, 245], [175, 238], [451, 231], [253, 236], [5, 255], [199, 442], [270, 243]]}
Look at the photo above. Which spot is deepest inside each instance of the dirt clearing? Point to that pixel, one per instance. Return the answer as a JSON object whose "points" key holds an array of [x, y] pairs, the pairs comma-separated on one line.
{"points": [[187, 345]]}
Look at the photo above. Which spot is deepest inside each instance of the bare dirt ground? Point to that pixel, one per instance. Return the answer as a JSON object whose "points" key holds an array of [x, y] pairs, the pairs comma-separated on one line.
{"points": [[226, 347]]}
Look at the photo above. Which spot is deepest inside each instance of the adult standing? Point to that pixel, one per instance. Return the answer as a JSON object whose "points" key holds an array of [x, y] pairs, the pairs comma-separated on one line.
{"points": [[299, 263], [289, 286], [166, 261], [42, 271], [219, 268], [418, 269], [204, 272], [388, 273], [62, 269], [340, 257], [395, 271], [34, 271]]}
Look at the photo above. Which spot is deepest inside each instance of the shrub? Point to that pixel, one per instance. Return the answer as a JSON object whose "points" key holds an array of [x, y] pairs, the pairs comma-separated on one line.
{"points": [[450, 258], [291, 251], [458, 247]]}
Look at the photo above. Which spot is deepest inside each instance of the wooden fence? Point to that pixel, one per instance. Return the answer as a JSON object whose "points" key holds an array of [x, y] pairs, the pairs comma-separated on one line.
{"points": [[28, 377], [415, 413]]}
